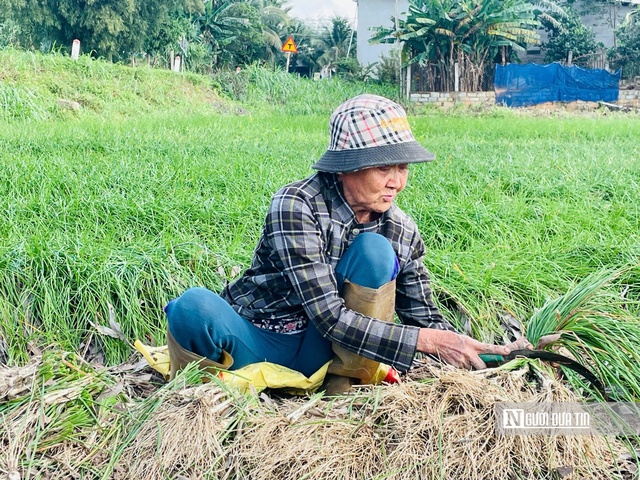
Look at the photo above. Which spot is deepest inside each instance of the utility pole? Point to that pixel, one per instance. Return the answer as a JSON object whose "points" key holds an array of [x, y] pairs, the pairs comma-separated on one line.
{"points": [[397, 34]]}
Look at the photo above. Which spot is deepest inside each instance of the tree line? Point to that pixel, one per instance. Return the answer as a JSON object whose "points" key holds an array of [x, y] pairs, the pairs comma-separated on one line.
{"points": [[208, 34], [211, 35]]}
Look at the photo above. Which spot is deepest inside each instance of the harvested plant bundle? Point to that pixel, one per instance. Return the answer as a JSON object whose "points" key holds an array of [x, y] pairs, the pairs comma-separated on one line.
{"points": [[595, 325]]}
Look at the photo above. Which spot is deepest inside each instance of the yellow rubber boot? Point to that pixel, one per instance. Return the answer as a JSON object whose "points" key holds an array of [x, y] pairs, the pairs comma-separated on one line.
{"points": [[377, 303], [180, 357]]}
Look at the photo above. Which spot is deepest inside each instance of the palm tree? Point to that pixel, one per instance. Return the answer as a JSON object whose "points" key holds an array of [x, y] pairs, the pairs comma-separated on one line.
{"points": [[242, 31], [307, 43], [335, 42], [275, 20]]}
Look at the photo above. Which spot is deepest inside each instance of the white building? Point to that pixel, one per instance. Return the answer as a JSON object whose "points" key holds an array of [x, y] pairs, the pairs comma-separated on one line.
{"points": [[376, 13]]}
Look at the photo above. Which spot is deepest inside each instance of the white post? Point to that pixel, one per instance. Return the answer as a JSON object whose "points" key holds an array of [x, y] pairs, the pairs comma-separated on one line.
{"points": [[456, 74], [75, 49], [288, 60], [176, 64]]}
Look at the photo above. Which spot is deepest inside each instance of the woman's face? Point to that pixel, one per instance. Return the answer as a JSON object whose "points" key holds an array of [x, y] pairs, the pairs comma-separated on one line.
{"points": [[370, 192]]}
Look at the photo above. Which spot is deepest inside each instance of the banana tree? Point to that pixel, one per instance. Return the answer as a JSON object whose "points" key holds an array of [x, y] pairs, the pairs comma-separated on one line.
{"points": [[218, 27], [439, 33]]}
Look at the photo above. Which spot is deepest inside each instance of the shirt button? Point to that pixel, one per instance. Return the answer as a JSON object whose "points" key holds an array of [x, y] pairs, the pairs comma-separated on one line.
{"points": [[355, 231]]}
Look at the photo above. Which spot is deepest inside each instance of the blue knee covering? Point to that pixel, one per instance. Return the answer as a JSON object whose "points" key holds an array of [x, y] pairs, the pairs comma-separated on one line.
{"points": [[369, 261]]}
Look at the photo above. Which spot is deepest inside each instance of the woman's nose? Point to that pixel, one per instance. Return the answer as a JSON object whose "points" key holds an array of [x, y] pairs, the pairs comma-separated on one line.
{"points": [[394, 180]]}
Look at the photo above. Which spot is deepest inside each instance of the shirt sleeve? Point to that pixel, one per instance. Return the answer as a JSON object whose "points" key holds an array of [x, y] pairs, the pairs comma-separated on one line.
{"points": [[414, 305], [297, 239]]}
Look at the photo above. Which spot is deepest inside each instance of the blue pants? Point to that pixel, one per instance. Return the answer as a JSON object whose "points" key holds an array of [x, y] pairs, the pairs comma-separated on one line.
{"points": [[204, 323]]}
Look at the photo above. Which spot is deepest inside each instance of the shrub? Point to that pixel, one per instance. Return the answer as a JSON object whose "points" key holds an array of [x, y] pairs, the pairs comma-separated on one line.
{"points": [[627, 55]]}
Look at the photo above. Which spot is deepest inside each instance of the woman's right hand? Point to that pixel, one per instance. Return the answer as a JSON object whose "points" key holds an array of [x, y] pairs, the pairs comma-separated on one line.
{"points": [[456, 349]]}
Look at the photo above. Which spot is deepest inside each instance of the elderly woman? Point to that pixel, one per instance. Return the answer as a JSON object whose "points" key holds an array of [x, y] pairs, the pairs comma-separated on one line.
{"points": [[325, 238]]}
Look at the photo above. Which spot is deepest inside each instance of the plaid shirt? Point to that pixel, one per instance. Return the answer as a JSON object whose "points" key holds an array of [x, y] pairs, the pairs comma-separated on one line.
{"points": [[292, 277]]}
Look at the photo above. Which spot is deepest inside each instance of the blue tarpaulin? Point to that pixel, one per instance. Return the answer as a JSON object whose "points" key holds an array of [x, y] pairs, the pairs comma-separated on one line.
{"points": [[530, 84]]}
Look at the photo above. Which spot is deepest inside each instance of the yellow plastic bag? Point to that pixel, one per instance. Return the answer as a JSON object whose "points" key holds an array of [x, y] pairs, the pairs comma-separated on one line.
{"points": [[157, 357], [270, 375], [258, 375]]}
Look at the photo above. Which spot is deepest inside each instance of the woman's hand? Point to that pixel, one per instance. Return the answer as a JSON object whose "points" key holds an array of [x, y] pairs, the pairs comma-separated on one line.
{"points": [[457, 349]]}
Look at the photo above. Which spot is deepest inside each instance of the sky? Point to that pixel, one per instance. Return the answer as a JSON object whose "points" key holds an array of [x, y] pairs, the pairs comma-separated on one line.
{"points": [[322, 9]]}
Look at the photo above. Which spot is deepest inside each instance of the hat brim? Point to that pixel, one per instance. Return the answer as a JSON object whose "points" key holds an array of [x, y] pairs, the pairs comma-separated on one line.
{"points": [[343, 161]]}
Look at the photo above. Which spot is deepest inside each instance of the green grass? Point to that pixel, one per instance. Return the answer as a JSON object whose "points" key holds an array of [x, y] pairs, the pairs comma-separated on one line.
{"points": [[596, 327], [161, 182], [141, 195], [31, 85], [516, 207]]}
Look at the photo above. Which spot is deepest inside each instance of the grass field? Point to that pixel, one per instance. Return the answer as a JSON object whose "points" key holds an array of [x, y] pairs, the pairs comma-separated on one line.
{"points": [[128, 210], [161, 182]]}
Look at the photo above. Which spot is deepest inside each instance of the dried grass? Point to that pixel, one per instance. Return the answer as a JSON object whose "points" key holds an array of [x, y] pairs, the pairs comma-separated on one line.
{"points": [[273, 447], [442, 427], [439, 424], [186, 433], [17, 381]]}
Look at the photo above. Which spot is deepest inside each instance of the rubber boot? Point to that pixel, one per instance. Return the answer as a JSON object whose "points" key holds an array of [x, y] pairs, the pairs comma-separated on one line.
{"points": [[378, 303], [180, 357], [374, 302]]}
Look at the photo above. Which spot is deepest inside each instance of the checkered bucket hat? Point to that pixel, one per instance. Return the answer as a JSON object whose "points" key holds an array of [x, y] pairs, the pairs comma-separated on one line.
{"points": [[370, 131]]}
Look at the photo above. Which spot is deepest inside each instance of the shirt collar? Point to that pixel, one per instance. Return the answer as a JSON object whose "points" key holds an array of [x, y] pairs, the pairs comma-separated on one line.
{"points": [[339, 206]]}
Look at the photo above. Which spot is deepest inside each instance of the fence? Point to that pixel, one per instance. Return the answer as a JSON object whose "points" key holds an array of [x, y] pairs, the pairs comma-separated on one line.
{"points": [[531, 84], [626, 98], [463, 76]]}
